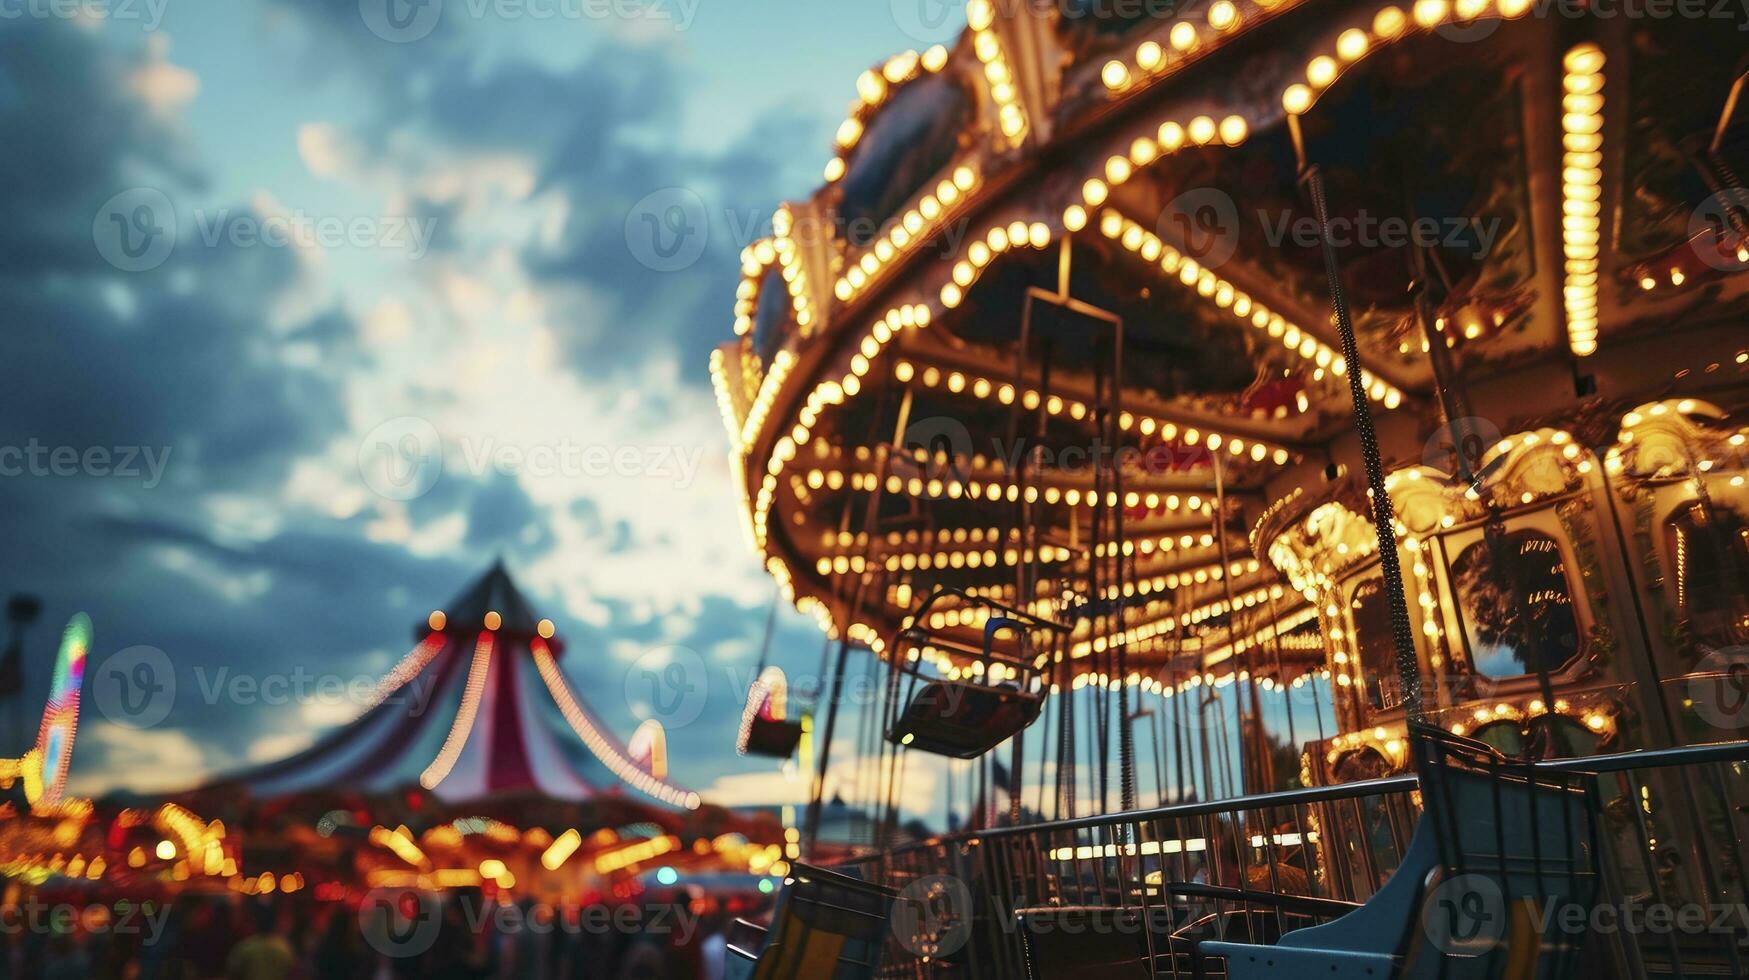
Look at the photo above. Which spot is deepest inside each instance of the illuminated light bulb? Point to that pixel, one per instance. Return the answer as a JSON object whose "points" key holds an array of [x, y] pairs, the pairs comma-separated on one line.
{"points": [[1075, 217], [848, 133], [1430, 13], [1094, 192], [1389, 22], [1171, 136], [1351, 44], [1223, 15], [1115, 75], [1117, 170], [1183, 36], [1321, 71], [872, 88], [1150, 56], [1201, 130], [1297, 99], [1584, 59], [1233, 130]]}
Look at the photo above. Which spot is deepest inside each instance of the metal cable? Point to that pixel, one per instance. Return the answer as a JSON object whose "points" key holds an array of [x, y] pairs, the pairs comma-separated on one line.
{"points": [[1384, 516]]}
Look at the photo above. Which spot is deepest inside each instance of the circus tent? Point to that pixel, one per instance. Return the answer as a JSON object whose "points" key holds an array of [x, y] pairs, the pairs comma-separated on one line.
{"points": [[478, 708]]}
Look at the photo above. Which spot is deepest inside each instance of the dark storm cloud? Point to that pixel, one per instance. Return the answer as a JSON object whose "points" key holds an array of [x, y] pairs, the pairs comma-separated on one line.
{"points": [[501, 520], [75, 136], [605, 134]]}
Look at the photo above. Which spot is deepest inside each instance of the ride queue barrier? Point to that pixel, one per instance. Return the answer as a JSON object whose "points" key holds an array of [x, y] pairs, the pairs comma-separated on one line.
{"points": [[1133, 895]]}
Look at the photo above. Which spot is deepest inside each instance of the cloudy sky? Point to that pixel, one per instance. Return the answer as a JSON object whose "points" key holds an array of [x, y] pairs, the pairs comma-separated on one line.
{"points": [[248, 242]]}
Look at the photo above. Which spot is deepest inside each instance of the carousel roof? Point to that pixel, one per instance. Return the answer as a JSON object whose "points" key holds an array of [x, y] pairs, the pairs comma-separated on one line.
{"points": [[1555, 198]]}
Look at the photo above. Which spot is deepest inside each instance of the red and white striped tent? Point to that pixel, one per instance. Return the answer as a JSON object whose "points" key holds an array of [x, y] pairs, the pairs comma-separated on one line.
{"points": [[478, 708]]}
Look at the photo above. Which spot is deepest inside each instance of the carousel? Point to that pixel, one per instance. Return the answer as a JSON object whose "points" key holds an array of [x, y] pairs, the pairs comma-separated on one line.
{"points": [[1164, 405]]}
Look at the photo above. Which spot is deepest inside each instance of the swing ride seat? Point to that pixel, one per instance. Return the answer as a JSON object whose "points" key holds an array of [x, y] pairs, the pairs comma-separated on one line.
{"points": [[1500, 848], [773, 738], [963, 720], [826, 925]]}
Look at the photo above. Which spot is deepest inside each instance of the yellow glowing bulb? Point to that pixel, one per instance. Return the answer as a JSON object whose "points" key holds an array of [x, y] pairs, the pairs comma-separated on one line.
{"points": [[1351, 44]]}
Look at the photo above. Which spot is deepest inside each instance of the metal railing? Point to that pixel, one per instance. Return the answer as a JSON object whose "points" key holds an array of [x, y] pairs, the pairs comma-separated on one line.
{"points": [[1153, 883]]}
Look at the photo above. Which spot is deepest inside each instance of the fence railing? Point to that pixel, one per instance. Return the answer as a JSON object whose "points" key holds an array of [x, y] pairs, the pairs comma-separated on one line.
{"points": [[1149, 885]]}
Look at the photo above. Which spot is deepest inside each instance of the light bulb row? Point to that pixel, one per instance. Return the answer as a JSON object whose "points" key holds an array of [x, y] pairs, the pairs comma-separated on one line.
{"points": [[463, 724], [914, 225], [1189, 273], [1002, 393], [873, 88], [1582, 191], [597, 743], [1152, 59], [1010, 115]]}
